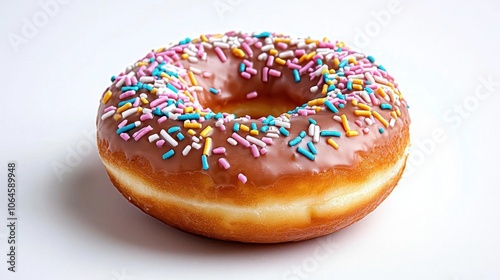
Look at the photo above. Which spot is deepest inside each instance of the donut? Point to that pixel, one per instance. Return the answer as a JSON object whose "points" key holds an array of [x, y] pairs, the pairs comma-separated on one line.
{"points": [[254, 137]]}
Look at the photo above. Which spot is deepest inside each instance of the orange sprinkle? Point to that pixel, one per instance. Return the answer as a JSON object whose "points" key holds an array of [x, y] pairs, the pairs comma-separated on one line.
{"points": [[357, 81], [139, 110], [107, 96], [204, 38], [354, 102], [357, 87], [189, 95], [380, 118], [184, 56], [332, 143], [394, 115], [310, 55], [302, 58], [154, 90], [381, 92], [336, 63], [398, 112], [323, 90], [142, 63], [238, 52]]}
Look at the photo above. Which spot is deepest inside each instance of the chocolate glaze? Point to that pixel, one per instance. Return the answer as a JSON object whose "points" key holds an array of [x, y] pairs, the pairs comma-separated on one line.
{"points": [[281, 159]]}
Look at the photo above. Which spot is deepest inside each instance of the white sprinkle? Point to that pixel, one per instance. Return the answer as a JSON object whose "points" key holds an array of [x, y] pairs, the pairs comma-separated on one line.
{"points": [[168, 138], [189, 52], [186, 150], [221, 45], [368, 121], [256, 141], [356, 76], [320, 70], [193, 59], [153, 137], [195, 139], [392, 122], [107, 114], [267, 47], [219, 122], [168, 109], [262, 56], [196, 88], [314, 89], [312, 46], [195, 70], [369, 77], [173, 116], [143, 95], [287, 54], [272, 135], [301, 45], [129, 112], [380, 80], [365, 96], [232, 141], [316, 134], [204, 56], [337, 118], [282, 123], [310, 131], [146, 79], [196, 145], [207, 45]]}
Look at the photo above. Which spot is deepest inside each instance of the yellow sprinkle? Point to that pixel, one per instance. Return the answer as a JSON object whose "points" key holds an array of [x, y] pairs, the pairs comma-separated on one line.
{"points": [[354, 102], [160, 49], [238, 52], [332, 143], [381, 92], [364, 106], [195, 40], [336, 63], [398, 112], [280, 61], [317, 109], [341, 44], [192, 125], [254, 132], [124, 107], [192, 78], [310, 55], [287, 115], [353, 60], [144, 100], [309, 40], [184, 56], [357, 87], [345, 124], [380, 118], [164, 75], [273, 51], [244, 127], [352, 133], [191, 132], [325, 40], [117, 117], [107, 96], [282, 40], [206, 131], [188, 109], [189, 95], [363, 113], [142, 63], [332, 71], [317, 101], [357, 81], [394, 115], [182, 80], [323, 90], [208, 146], [204, 38], [154, 90], [302, 58], [139, 110]]}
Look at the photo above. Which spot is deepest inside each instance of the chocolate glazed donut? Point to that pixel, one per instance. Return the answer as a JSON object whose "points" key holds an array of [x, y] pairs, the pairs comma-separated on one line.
{"points": [[254, 137]]}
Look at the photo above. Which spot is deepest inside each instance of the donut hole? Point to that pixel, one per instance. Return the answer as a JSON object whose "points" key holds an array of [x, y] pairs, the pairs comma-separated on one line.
{"points": [[258, 107]]}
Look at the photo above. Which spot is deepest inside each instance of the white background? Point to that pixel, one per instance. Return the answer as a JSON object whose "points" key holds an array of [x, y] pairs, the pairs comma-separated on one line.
{"points": [[441, 222]]}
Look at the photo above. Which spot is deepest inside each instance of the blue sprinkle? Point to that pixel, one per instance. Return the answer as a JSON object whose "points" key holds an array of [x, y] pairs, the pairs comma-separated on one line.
{"points": [[130, 88], [209, 116], [330, 88], [272, 122], [236, 127], [213, 90], [284, 131], [204, 162], [381, 130], [180, 101], [294, 141], [331, 107], [185, 41], [371, 59], [341, 96], [242, 67], [148, 87], [305, 153], [126, 101], [341, 105], [312, 121], [369, 90], [264, 129], [333, 133], [180, 136], [218, 116], [157, 111], [170, 102], [171, 87], [311, 147], [151, 60], [173, 129], [349, 85], [382, 68], [343, 63], [253, 126], [341, 74], [168, 154], [184, 117], [302, 134], [113, 78], [125, 128], [262, 35], [385, 106], [296, 75], [319, 62]]}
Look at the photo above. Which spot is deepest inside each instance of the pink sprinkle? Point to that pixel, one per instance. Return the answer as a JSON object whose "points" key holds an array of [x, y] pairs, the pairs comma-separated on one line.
{"points": [[247, 49], [302, 112], [359, 123], [267, 140], [292, 65], [219, 150], [251, 70], [109, 108], [251, 95], [152, 66], [366, 130], [147, 116], [160, 143], [282, 45], [274, 73], [242, 178], [157, 102], [258, 44], [222, 128], [263, 151], [318, 56], [162, 119], [122, 124], [220, 54], [142, 132], [128, 82], [265, 72], [255, 151], [126, 94], [270, 60], [241, 140], [247, 63], [124, 136], [136, 102], [201, 50], [300, 52], [373, 99], [224, 163], [134, 80], [246, 75], [206, 74], [306, 67]]}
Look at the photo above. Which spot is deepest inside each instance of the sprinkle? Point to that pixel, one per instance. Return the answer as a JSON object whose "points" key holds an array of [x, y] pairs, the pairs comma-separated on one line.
{"points": [[312, 148], [256, 141], [294, 141], [241, 140], [345, 124], [238, 52], [168, 138], [208, 146], [255, 151], [385, 106], [195, 145], [330, 106], [194, 116], [327, 133], [242, 178], [206, 131], [168, 154], [332, 143], [173, 129], [186, 150], [180, 136], [310, 130], [316, 134], [213, 90], [224, 163], [305, 153], [192, 125], [153, 137], [282, 123], [127, 128], [381, 130], [124, 136], [220, 54], [296, 75], [204, 162], [283, 131], [380, 118], [232, 141], [244, 127], [302, 134], [106, 96], [107, 114], [251, 95], [362, 113], [219, 150], [352, 133], [274, 73], [160, 143]]}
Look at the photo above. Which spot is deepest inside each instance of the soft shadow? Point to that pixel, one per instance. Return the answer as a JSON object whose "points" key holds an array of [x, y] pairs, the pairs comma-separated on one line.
{"points": [[88, 196]]}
